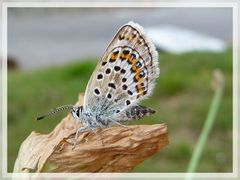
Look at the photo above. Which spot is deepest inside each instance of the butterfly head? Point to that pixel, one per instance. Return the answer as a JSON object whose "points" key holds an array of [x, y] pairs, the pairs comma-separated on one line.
{"points": [[76, 111]]}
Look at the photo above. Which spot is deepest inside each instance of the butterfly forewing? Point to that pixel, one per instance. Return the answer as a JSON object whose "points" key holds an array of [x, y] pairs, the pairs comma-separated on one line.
{"points": [[125, 74]]}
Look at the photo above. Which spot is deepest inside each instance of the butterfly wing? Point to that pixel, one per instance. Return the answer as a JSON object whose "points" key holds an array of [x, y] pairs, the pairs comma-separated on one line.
{"points": [[125, 74]]}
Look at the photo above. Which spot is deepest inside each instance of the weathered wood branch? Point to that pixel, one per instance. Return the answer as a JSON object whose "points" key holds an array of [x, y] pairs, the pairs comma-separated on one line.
{"points": [[115, 149]]}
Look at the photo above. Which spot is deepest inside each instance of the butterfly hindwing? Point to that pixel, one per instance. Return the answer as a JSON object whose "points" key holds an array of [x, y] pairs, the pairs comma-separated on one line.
{"points": [[125, 74]]}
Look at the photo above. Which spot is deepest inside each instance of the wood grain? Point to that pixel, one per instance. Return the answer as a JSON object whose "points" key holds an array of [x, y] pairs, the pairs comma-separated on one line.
{"points": [[114, 149]]}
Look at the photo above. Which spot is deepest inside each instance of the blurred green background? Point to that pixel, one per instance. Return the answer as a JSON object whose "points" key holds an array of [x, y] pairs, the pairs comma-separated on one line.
{"points": [[181, 98]]}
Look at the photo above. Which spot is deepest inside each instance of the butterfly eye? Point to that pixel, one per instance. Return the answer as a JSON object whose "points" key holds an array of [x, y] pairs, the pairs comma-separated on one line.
{"points": [[77, 112], [81, 108]]}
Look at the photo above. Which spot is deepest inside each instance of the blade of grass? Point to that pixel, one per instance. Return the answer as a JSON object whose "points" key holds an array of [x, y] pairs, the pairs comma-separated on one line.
{"points": [[218, 86]]}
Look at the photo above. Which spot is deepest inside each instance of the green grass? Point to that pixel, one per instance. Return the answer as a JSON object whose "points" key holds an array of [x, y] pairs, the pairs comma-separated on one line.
{"points": [[218, 88], [182, 98]]}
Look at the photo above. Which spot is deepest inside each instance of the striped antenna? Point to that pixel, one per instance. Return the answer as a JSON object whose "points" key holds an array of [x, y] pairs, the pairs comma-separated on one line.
{"points": [[55, 110]]}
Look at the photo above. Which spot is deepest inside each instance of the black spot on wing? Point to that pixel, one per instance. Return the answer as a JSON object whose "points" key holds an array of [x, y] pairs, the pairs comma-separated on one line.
{"points": [[109, 96], [97, 92], [99, 76], [123, 71], [124, 87], [124, 79], [104, 63], [108, 71], [117, 68], [130, 92], [112, 85], [126, 52]]}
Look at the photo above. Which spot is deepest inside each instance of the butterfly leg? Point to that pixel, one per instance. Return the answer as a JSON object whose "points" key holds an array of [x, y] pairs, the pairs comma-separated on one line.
{"points": [[80, 130], [119, 124]]}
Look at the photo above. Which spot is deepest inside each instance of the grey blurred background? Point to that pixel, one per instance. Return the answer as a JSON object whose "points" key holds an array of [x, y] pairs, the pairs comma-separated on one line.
{"points": [[39, 37]]}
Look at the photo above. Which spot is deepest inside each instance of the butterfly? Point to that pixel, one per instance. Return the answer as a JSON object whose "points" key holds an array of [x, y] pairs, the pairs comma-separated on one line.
{"points": [[125, 75]]}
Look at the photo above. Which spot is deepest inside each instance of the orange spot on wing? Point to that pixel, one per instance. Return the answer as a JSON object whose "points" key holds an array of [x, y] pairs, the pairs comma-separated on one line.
{"points": [[139, 89], [134, 66], [129, 38], [113, 57], [126, 57], [132, 60], [138, 78]]}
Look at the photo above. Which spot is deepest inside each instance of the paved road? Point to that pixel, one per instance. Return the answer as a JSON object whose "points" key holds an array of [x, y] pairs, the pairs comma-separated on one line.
{"points": [[42, 36]]}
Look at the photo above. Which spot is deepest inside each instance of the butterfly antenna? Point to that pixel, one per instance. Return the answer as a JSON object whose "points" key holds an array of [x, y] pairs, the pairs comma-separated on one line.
{"points": [[55, 110]]}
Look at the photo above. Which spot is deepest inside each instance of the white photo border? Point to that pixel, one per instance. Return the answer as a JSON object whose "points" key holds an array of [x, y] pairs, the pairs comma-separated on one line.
{"points": [[235, 9]]}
